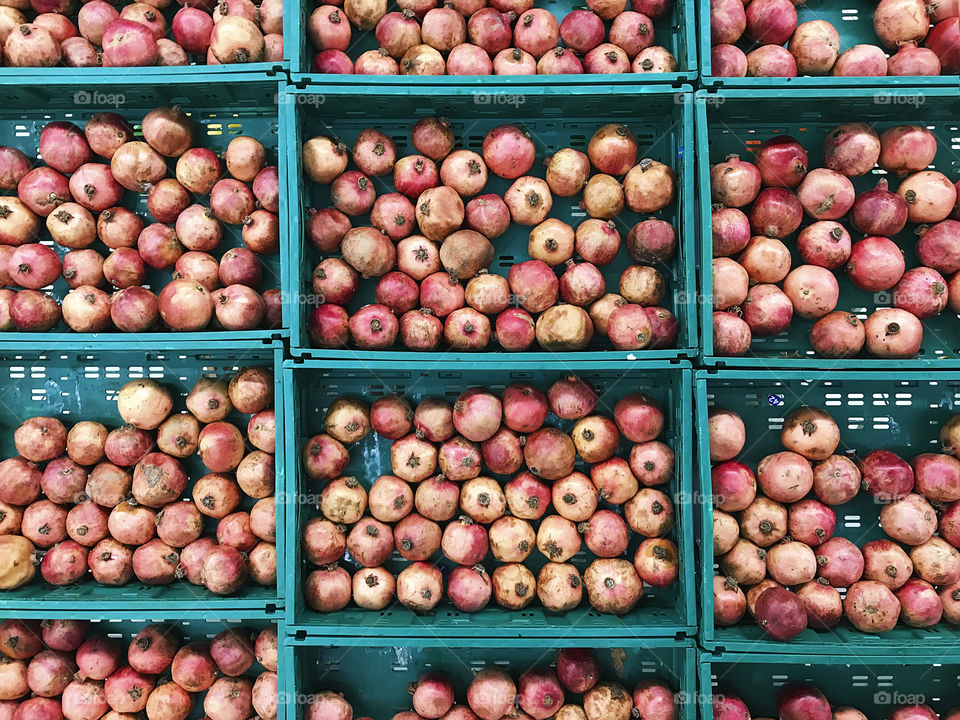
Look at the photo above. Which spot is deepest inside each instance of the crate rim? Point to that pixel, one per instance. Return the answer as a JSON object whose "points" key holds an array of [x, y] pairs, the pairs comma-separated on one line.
{"points": [[803, 82], [300, 363], [685, 628], [440, 90], [295, 316], [887, 373], [256, 73], [879, 647], [146, 342], [706, 658], [299, 638], [296, 56]]}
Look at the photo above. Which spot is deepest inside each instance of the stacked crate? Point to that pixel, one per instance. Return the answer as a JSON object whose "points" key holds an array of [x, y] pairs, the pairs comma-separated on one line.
{"points": [[689, 119]]}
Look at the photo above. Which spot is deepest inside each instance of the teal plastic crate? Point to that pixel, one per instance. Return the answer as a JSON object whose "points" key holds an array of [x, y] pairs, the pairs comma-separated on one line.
{"points": [[186, 630], [311, 386], [77, 385], [222, 110], [873, 686], [556, 117], [373, 674], [675, 32], [899, 411], [853, 20], [197, 71], [738, 121]]}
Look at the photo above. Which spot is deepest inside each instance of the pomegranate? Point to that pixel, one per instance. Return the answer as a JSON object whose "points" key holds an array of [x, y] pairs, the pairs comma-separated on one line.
{"points": [[728, 61], [781, 614], [416, 257], [816, 46], [527, 497], [469, 589], [729, 603], [735, 183], [432, 695], [871, 607], [826, 194], [420, 587], [861, 60], [892, 332], [776, 213], [540, 693], [942, 39], [491, 693], [911, 60], [785, 476], [900, 21], [31, 45], [836, 480]]}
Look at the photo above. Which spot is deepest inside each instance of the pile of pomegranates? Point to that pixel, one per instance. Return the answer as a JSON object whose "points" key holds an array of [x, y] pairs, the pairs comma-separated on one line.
{"points": [[784, 231], [122, 273], [88, 502], [773, 530], [47, 33], [571, 688], [426, 229], [504, 37], [805, 701], [58, 669], [916, 37], [491, 479]]}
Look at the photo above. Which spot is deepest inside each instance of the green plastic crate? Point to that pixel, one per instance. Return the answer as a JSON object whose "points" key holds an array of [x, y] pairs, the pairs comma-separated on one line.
{"points": [[853, 20], [187, 630], [675, 32], [556, 118], [872, 687], [352, 667], [899, 411], [222, 110], [78, 385], [311, 386], [105, 77], [738, 121]]}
